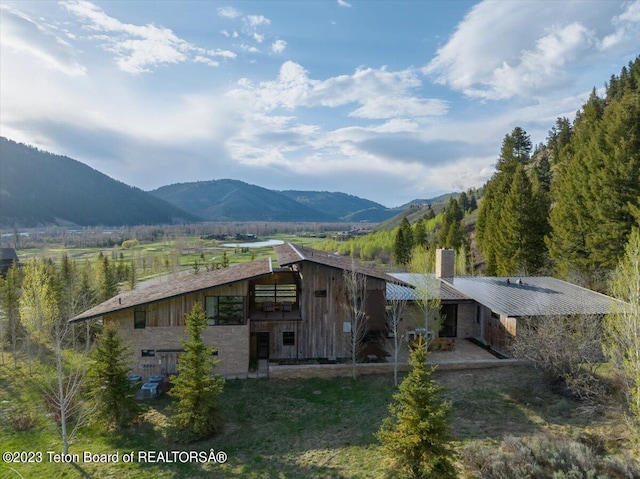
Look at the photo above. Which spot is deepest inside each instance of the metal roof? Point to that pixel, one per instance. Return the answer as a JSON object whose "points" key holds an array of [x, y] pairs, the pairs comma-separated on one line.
{"points": [[178, 286], [288, 254], [531, 296], [440, 290]]}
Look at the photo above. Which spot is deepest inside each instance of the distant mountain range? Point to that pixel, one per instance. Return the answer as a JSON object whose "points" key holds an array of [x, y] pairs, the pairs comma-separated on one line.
{"points": [[233, 200], [39, 188]]}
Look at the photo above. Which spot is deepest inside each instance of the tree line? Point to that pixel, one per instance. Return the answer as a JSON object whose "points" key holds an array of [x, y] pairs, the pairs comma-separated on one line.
{"points": [[568, 206]]}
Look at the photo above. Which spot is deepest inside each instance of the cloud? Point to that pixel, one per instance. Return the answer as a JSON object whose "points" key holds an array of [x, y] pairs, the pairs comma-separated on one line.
{"points": [[228, 12], [38, 40], [502, 50], [380, 93], [278, 46], [138, 48], [627, 25], [343, 3], [256, 20]]}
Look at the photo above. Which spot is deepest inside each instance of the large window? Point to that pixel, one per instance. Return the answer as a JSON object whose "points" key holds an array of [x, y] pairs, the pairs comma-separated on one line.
{"points": [[275, 293], [139, 319], [224, 309]]}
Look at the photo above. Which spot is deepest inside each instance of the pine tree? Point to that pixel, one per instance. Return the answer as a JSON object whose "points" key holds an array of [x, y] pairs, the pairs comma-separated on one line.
{"points": [[416, 438], [451, 234], [595, 191], [520, 245], [196, 389], [10, 305], [109, 383], [420, 233], [403, 242]]}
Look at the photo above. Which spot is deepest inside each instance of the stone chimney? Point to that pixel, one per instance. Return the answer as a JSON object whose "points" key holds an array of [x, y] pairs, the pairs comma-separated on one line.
{"points": [[445, 263]]}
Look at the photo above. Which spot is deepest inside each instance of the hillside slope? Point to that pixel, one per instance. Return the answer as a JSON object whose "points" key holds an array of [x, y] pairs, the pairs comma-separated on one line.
{"points": [[233, 200], [40, 188]]}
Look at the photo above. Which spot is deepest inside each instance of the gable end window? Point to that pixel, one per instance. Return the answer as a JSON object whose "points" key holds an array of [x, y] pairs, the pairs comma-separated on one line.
{"points": [[139, 319]]}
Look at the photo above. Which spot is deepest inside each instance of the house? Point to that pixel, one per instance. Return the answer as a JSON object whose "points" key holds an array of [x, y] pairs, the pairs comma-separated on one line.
{"points": [[488, 308], [297, 311], [255, 310], [8, 257]]}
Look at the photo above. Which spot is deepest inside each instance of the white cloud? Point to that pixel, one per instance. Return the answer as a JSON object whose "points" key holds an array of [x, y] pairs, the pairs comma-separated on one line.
{"points": [[258, 38], [502, 50], [23, 34], [343, 3], [278, 46], [138, 48], [256, 20], [249, 48], [627, 25], [228, 12]]}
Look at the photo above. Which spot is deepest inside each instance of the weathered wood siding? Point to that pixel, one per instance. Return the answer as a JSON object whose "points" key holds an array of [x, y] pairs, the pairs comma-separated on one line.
{"points": [[323, 317], [165, 329]]}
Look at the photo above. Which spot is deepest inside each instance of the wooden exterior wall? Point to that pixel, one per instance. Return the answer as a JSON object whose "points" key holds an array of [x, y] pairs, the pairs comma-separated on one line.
{"points": [[323, 315], [165, 329]]}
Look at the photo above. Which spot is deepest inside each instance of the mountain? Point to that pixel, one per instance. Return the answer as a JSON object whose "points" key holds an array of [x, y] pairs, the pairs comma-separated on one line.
{"points": [[342, 206], [233, 200], [40, 188]]}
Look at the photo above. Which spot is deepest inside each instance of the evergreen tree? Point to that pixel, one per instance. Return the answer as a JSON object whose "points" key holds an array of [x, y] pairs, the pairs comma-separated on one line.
{"points": [[403, 242], [10, 305], [416, 439], [595, 192], [108, 280], [420, 233], [196, 389], [520, 245], [109, 383], [451, 234]]}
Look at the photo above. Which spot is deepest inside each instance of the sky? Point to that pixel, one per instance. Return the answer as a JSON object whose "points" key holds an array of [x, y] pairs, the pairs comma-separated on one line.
{"points": [[387, 100]]}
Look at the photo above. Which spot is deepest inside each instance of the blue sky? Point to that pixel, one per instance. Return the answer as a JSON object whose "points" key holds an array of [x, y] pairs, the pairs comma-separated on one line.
{"points": [[387, 100]]}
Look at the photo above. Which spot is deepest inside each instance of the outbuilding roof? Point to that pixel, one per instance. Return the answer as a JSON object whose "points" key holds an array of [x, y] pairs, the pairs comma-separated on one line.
{"points": [[177, 286], [436, 288], [531, 296]]}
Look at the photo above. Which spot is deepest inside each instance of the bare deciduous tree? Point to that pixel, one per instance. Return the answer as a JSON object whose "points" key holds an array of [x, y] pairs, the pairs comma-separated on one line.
{"points": [[567, 349], [356, 298], [394, 339]]}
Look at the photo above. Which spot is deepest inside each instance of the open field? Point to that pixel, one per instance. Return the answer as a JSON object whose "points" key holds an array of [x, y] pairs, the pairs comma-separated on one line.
{"points": [[307, 428]]}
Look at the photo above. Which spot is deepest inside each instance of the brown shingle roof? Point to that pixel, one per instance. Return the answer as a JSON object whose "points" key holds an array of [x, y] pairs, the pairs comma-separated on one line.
{"points": [[179, 286], [288, 254]]}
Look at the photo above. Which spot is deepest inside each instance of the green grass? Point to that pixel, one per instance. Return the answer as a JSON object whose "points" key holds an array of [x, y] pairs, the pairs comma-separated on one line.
{"points": [[306, 427]]}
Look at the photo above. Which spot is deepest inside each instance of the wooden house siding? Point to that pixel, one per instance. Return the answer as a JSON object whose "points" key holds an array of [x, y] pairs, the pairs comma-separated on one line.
{"points": [[322, 303]]}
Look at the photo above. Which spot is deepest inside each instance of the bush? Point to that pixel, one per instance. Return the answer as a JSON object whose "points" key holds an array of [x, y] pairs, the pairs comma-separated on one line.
{"points": [[20, 417], [542, 456]]}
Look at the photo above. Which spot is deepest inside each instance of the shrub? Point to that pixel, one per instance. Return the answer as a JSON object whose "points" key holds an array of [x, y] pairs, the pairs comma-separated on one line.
{"points": [[20, 417], [542, 456]]}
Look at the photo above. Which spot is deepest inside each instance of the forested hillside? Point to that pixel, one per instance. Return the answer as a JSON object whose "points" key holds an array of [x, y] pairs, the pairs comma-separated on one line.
{"points": [[40, 188], [568, 208], [233, 200], [565, 207], [342, 206]]}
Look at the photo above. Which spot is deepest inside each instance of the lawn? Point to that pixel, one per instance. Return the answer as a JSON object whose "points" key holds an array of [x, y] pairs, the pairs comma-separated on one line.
{"points": [[303, 428]]}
